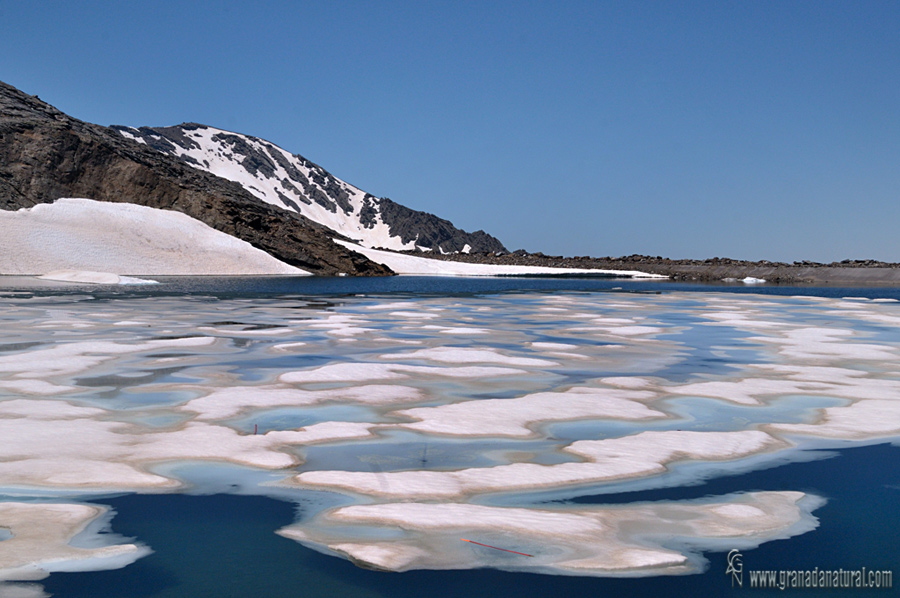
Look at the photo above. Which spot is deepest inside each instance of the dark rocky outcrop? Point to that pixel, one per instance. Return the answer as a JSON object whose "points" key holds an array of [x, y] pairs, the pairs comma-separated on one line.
{"points": [[437, 234], [45, 155]]}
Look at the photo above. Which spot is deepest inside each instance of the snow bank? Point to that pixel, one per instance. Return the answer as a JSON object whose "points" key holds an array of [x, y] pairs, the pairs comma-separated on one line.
{"points": [[409, 264], [94, 278], [82, 235]]}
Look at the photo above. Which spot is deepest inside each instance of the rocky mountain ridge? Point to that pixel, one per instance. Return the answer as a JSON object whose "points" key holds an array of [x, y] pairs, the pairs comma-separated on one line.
{"points": [[296, 184], [46, 154]]}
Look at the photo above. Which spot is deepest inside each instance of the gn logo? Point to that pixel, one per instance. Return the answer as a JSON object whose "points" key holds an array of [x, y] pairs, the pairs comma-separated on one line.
{"points": [[735, 568]]}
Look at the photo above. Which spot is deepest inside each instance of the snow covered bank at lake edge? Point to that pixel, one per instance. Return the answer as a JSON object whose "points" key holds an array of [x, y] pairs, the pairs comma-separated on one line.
{"points": [[88, 277], [410, 264], [120, 238]]}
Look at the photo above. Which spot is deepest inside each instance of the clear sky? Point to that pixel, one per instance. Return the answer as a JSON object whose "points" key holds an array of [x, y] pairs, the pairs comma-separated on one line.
{"points": [[754, 130]]}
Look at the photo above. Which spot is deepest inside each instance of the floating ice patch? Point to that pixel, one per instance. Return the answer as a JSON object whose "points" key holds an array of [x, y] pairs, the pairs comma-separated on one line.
{"points": [[341, 325], [470, 355], [639, 539], [862, 420], [35, 387], [514, 417], [642, 454], [553, 346], [50, 443], [361, 372], [288, 347], [392, 305], [40, 545], [463, 330], [325, 432], [228, 402], [416, 315], [69, 358], [828, 344], [749, 390]]}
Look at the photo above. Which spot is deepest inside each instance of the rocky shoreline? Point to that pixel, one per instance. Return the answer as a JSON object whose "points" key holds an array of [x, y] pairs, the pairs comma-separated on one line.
{"points": [[850, 272]]}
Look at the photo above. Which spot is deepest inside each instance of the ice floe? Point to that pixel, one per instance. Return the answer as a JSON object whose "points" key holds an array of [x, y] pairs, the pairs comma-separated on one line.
{"points": [[511, 417], [229, 402], [69, 358], [40, 543], [361, 372], [470, 355], [642, 454], [638, 539]]}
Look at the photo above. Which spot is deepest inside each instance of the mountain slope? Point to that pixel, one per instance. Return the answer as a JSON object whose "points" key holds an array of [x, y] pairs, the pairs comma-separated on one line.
{"points": [[46, 155], [295, 184]]}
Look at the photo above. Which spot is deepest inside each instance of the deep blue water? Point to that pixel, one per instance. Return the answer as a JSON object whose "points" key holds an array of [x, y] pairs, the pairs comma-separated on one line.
{"points": [[328, 289]]}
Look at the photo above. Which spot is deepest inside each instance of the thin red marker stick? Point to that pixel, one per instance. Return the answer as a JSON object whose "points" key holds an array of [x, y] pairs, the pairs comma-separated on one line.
{"points": [[495, 547]]}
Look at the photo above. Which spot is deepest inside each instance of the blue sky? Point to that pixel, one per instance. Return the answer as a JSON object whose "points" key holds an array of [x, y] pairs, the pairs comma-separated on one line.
{"points": [[754, 130]]}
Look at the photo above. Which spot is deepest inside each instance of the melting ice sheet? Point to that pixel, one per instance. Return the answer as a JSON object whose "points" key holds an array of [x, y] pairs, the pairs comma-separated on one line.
{"points": [[41, 540], [423, 420]]}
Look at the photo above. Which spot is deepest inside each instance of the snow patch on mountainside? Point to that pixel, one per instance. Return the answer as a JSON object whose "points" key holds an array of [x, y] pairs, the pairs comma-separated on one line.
{"points": [[82, 235], [278, 178], [293, 183]]}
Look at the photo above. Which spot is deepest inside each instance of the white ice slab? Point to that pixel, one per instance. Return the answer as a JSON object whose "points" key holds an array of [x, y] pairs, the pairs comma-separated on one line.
{"points": [[635, 539], [40, 543], [361, 372], [643, 454], [470, 355], [513, 417], [229, 402]]}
